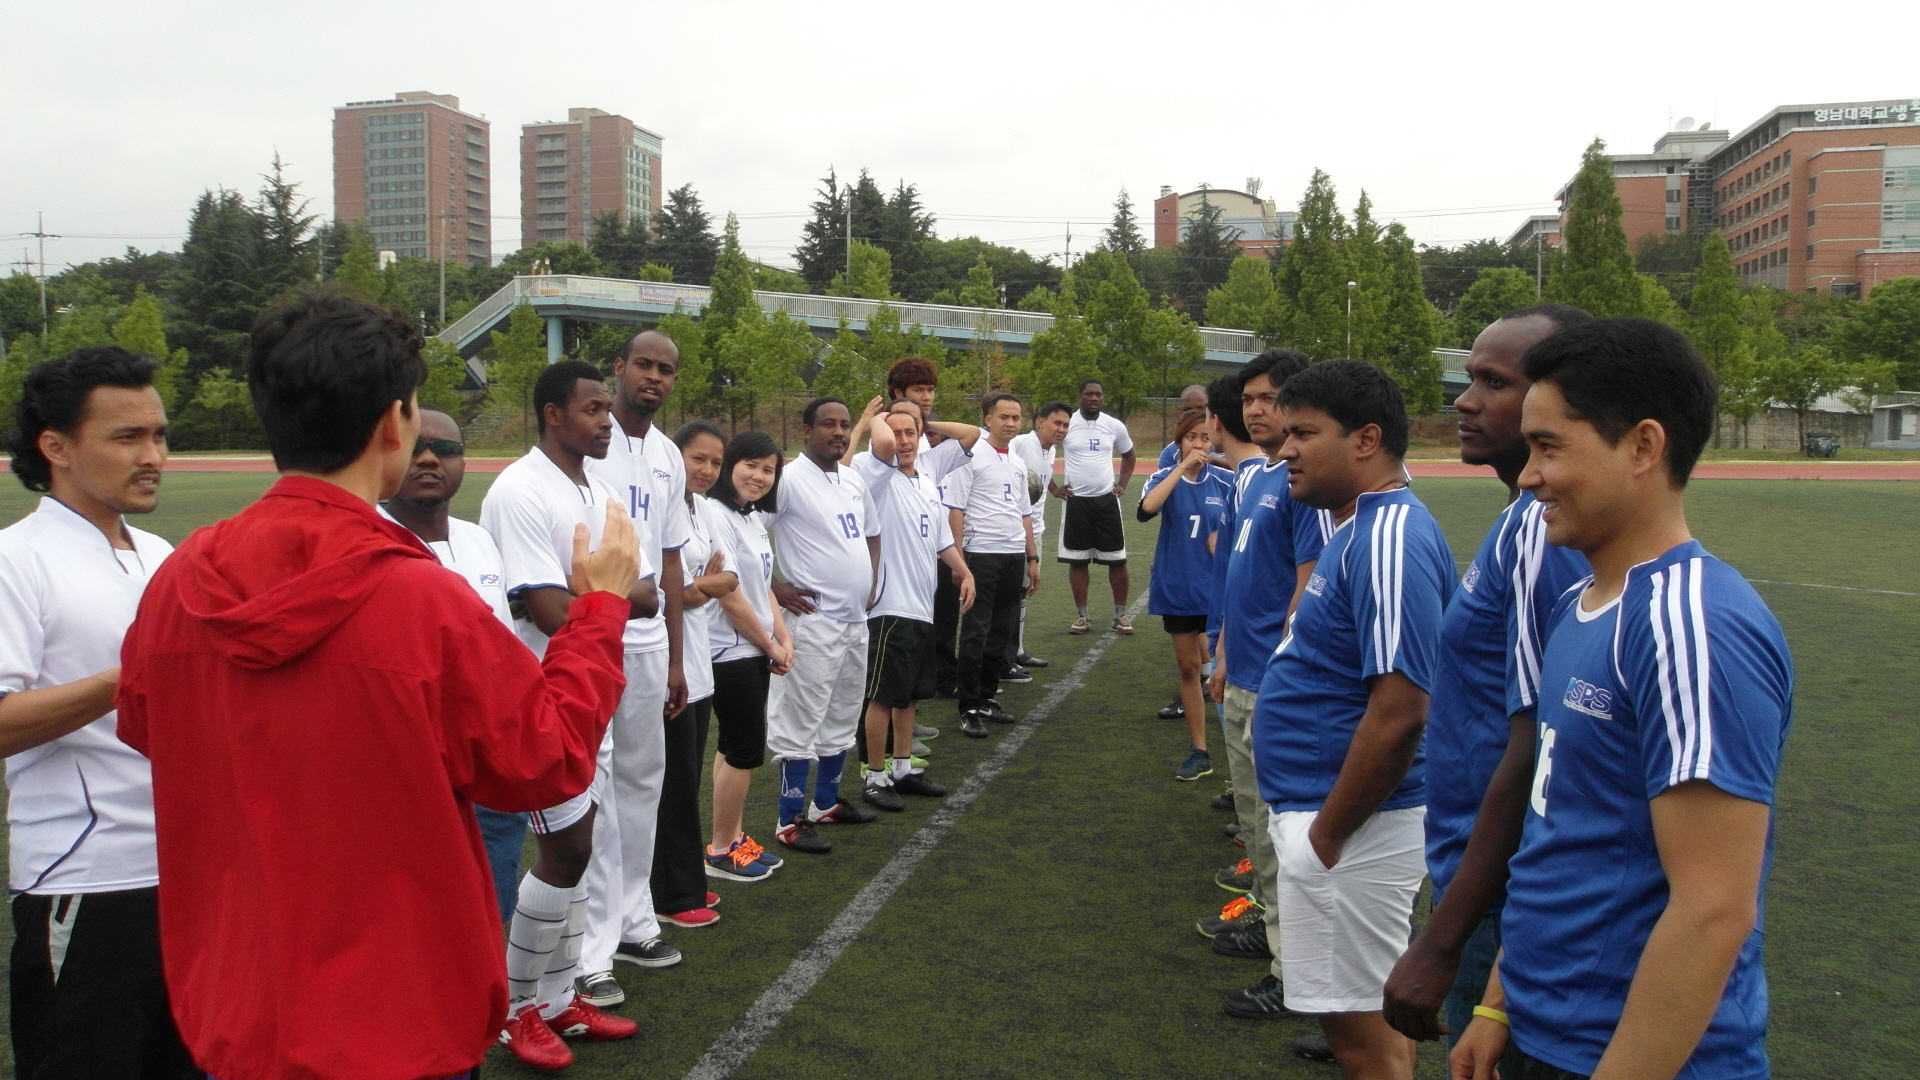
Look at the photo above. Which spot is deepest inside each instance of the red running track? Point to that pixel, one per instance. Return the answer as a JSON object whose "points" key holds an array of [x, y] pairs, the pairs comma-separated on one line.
{"points": [[1725, 470]]}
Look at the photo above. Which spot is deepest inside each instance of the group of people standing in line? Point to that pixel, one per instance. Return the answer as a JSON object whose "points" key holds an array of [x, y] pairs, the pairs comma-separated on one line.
{"points": [[251, 777]]}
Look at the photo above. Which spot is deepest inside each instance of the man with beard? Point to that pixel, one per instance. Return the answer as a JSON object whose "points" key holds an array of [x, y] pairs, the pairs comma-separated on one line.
{"points": [[1091, 529]]}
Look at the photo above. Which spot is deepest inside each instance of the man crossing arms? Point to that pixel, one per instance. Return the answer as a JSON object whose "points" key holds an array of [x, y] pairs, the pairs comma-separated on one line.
{"points": [[1091, 529]]}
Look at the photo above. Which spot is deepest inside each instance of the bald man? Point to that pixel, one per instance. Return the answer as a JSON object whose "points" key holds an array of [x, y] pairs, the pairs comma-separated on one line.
{"points": [[1192, 398]]}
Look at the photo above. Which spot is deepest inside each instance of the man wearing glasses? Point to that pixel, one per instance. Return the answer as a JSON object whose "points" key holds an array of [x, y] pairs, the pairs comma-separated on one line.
{"points": [[433, 478]]}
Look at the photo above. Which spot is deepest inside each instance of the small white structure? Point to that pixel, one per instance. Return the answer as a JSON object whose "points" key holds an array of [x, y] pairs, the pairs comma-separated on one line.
{"points": [[1896, 422]]}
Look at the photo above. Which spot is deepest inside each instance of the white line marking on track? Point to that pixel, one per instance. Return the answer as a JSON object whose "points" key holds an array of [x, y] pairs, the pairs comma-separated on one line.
{"points": [[1841, 588], [732, 1049]]}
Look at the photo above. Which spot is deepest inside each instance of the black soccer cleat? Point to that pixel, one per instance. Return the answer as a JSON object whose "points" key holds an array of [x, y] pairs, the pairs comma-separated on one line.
{"points": [[918, 784], [846, 813], [992, 711], [973, 725], [800, 835], [1313, 1046], [1223, 801], [1027, 660], [1175, 711], [883, 797], [1264, 1000], [1247, 943], [1014, 675]]}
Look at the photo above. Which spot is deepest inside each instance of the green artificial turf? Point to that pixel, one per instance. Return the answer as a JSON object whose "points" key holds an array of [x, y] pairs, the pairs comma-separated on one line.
{"points": [[1050, 934]]}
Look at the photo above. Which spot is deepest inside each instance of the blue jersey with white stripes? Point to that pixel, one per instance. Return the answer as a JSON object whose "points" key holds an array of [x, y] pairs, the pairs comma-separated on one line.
{"points": [[1169, 456], [1371, 606], [1182, 566], [1273, 533], [1685, 676], [1490, 641]]}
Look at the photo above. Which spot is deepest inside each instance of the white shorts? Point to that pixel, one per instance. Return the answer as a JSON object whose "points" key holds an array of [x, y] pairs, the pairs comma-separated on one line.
{"points": [[821, 700], [553, 819], [1341, 930]]}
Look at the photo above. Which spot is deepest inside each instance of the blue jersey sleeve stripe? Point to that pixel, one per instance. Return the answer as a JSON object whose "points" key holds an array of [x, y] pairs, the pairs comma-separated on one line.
{"points": [[1702, 667], [1388, 542], [1678, 621], [1529, 550]]}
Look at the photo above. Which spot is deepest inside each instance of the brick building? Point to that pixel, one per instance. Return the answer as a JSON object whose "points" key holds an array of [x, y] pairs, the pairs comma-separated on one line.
{"points": [[1263, 227], [1661, 192], [414, 168], [574, 170]]}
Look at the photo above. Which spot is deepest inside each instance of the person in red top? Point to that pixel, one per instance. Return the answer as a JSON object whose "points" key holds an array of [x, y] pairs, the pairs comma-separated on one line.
{"points": [[323, 703]]}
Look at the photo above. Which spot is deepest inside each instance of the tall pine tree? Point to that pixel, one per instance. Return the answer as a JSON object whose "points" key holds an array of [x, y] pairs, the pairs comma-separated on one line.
{"points": [[1123, 236], [686, 241], [1367, 258], [1314, 274], [1204, 256], [1410, 324], [1593, 268], [1717, 321], [623, 247]]}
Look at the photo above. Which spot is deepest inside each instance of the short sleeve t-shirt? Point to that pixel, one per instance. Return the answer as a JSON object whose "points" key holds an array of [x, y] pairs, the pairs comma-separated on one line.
{"points": [[1169, 456], [1089, 448], [1685, 676], [469, 551], [1272, 533], [820, 537], [1182, 578], [1039, 463], [916, 532], [1489, 641], [750, 553], [530, 512], [704, 536], [651, 478], [992, 492], [79, 808], [1371, 606]]}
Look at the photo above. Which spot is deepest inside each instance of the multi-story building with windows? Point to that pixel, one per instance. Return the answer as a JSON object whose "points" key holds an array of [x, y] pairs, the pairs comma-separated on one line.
{"points": [[1262, 226], [414, 168], [1660, 193], [590, 164]]}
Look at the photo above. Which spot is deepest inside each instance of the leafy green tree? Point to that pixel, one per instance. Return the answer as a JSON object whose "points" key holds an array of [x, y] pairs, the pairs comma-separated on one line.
{"points": [[1368, 262], [823, 239], [765, 355], [685, 239], [905, 228], [731, 303], [553, 257], [216, 292], [1717, 323], [846, 371], [446, 371], [1496, 291], [1672, 259], [143, 331], [1798, 380], [286, 254], [1314, 274], [980, 291], [1143, 351], [1450, 271], [620, 245], [1887, 329], [1248, 300], [1411, 325], [872, 275], [82, 328], [1204, 256], [656, 272], [1593, 269], [1123, 236], [1059, 356], [695, 393], [357, 270], [518, 357], [1040, 299], [952, 261], [19, 305], [773, 279], [225, 399]]}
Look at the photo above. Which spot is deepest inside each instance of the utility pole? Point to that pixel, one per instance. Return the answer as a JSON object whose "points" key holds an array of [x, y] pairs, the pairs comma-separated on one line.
{"points": [[444, 214], [849, 237], [1069, 264], [1539, 265], [1351, 285], [40, 230]]}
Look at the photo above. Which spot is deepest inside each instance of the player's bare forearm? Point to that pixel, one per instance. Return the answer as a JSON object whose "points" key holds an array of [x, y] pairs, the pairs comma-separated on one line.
{"points": [[1424, 975], [1383, 747], [670, 579], [1712, 847], [1155, 498], [546, 607], [873, 558], [30, 718], [968, 434], [644, 599], [1126, 473]]}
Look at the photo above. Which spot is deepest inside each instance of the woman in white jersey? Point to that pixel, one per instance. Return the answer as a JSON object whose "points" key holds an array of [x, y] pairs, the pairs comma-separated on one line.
{"points": [[748, 644]]}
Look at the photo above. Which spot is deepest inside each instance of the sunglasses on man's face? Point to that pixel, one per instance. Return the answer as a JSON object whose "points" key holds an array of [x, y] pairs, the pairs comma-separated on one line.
{"points": [[444, 448]]}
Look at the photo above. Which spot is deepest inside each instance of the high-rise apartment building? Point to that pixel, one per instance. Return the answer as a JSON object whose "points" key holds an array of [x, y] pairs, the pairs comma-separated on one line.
{"points": [[414, 168], [575, 170]]}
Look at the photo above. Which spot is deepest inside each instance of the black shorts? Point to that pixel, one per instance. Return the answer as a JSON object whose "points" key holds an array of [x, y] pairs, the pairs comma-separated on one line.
{"points": [[1184, 624], [740, 705], [899, 661], [1091, 531]]}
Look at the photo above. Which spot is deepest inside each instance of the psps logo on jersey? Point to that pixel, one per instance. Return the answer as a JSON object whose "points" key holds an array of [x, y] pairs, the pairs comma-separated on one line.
{"points": [[489, 579], [1215, 500], [1584, 697], [1270, 501], [1472, 578], [1317, 585]]}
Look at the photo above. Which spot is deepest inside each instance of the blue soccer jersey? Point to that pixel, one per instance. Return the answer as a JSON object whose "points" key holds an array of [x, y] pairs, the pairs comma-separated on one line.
{"points": [[1372, 606], [1169, 456], [1272, 534], [1490, 640], [1685, 676], [1182, 580], [1223, 553]]}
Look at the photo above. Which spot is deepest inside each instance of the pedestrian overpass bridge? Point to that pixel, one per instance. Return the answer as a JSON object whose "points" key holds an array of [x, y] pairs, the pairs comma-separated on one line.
{"points": [[558, 298]]}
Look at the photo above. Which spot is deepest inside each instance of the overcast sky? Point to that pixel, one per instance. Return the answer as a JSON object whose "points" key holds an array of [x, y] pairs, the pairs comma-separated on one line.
{"points": [[1018, 121]]}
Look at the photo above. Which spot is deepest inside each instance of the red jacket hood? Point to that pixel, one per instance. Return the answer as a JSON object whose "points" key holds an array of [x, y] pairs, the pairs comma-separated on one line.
{"points": [[276, 579]]}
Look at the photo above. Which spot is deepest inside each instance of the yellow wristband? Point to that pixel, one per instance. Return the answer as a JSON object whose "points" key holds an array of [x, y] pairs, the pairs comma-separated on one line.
{"points": [[1492, 1014]]}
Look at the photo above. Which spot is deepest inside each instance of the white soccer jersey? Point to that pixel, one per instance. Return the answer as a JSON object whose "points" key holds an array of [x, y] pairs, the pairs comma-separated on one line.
{"points": [[750, 553], [80, 808], [916, 530], [820, 537], [651, 478], [1089, 447], [1039, 462], [469, 551], [696, 624], [530, 511], [992, 493]]}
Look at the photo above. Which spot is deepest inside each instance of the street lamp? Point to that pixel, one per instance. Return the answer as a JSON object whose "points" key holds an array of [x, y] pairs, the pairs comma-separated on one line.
{"points": [[1351, 285]]}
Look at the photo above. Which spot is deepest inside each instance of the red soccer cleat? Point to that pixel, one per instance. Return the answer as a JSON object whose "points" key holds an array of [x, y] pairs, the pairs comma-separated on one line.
{"points": [[584, 1020], [698, 917], [533, 1042]]}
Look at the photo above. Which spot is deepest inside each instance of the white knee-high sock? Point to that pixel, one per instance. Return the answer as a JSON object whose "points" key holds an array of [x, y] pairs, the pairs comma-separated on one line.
{"points": [[556, 983], [533, 935]]}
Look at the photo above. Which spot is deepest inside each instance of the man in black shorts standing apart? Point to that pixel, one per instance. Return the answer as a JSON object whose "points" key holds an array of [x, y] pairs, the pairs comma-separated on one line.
{"points": [[1091, 530]]}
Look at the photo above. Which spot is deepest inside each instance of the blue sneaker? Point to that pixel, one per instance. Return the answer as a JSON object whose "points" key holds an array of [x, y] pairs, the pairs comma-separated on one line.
{"points": [[740, 862], [766, 858], [1197, 765]]}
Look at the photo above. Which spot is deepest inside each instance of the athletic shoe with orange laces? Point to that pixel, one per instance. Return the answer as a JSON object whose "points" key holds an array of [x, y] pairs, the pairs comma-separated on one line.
{"points": [[584, 1020], [1240, 912], [1236, 878], [533, 1042], [767, 858], [738, 863]]}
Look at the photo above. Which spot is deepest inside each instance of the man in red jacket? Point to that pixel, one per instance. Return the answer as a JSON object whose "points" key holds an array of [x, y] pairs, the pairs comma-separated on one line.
{"points": [[323, 703]]}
